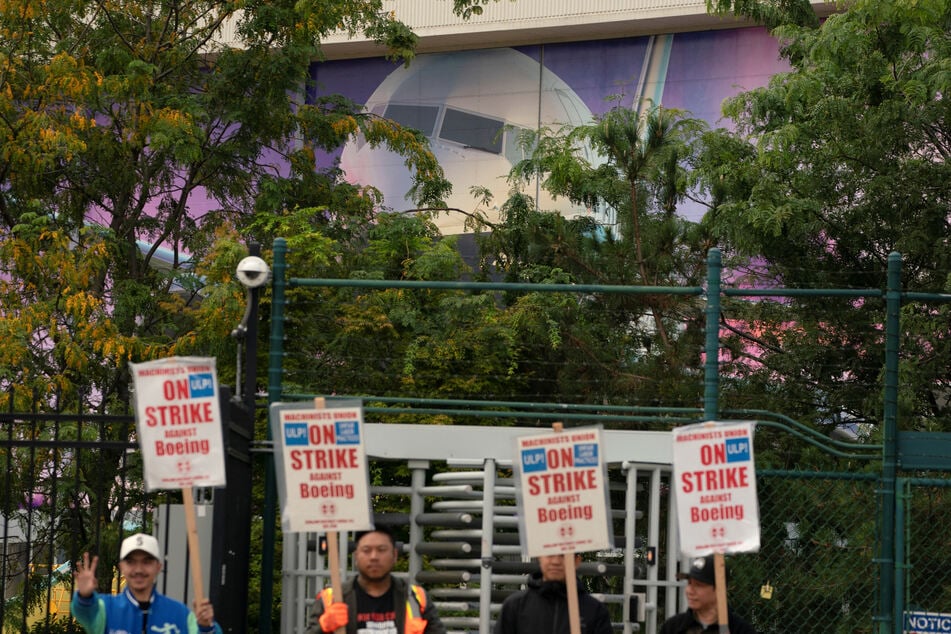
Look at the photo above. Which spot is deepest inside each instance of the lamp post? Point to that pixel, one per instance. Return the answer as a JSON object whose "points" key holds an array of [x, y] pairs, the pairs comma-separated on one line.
{"points": [[230, 552]]}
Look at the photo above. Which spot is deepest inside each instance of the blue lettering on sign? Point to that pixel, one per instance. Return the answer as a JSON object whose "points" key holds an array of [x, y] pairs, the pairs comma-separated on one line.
{"points": [[295, 434], [737, 449], [927, 622], [534, 460], [586, 455], [200, 385], [347, 432]]}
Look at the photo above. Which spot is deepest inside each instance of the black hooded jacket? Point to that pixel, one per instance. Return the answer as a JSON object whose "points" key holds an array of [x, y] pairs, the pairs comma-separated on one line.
{"points": [[542, 608]]}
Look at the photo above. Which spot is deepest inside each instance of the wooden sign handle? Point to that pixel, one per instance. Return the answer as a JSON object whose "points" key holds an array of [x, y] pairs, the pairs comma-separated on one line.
{"points": [[194, 550], [333, 547], [723, 615], [571, 579], [333, 556]]}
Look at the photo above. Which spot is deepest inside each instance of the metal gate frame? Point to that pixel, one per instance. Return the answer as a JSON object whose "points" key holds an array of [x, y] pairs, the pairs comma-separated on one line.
{"points": [[890, 605]]}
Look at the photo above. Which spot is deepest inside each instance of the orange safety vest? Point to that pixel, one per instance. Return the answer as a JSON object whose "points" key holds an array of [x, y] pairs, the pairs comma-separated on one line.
{"points": [[415, 623]]}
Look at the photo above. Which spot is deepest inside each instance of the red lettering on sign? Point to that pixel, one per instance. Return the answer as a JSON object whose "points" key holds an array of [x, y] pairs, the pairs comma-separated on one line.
{"points": [[714, 479], [712, 454], [717, 513], [322, 435], [180, 414], [558, 458], [565, 513], [337, 458], [175, 390], [546, 483], [326, 490], [182, 448]]}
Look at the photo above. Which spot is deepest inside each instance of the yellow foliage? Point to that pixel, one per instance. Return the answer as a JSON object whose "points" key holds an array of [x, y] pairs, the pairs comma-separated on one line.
{"points": [[345, 126]]}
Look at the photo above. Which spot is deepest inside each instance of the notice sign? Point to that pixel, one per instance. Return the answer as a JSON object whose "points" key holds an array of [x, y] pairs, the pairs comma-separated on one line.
{"points": [[927, 622], [562, 493], [178, 420], [322, 467], [715, 488]]}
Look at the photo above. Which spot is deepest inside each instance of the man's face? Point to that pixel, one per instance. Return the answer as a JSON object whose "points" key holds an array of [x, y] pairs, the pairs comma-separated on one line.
{"points": [[375, 556], [700, 595], [552, 567], [140, 570]]}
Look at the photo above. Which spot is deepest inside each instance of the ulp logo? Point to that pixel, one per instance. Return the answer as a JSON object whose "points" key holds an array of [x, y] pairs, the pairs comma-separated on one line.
{"points": [[295, 434], [737, 449], [586, 455], [534, 460], [347, 432], [200, 385]]}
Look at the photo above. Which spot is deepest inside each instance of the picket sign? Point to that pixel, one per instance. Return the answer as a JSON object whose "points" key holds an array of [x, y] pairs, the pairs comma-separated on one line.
{"points": [[323, 481], [178, 423], [333, 549], [715, 493]]}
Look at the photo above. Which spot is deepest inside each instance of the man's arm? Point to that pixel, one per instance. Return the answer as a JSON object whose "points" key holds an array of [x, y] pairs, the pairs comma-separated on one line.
{"points": [[433, 624], [86, 606], [602, 621], [204, 616], [313, 617], [505, 624], [90, 612], [195, 627]]}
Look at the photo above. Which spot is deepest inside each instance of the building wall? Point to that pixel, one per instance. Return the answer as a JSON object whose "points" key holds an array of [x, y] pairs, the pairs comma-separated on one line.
{"points": [[520, 22], [503, 89]]}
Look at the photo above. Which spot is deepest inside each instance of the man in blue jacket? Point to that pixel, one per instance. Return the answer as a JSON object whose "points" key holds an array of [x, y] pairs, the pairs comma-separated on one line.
{"points": [[139, 608]]}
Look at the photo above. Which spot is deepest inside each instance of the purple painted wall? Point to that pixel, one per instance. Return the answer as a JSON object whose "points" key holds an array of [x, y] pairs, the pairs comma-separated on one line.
{"points": [[465, 99]]}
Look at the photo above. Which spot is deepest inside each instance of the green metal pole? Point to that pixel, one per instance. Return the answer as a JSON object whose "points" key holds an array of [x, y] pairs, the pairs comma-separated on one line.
{"points": [[901, 507], [275, 371], [711, 374], [890, 621]]}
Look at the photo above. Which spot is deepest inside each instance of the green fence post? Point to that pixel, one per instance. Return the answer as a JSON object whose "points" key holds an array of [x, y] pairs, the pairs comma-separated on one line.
{"points": [[890, 620], [711, 373], [275, 371], [901, 544]]}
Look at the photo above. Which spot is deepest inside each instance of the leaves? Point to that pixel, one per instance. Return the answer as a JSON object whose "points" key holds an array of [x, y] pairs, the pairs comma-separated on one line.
{"points": [[839, 163]]}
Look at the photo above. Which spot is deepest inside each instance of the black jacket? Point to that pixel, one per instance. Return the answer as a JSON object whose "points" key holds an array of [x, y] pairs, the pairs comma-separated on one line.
{"points": [[681, 624], [542, 608]]}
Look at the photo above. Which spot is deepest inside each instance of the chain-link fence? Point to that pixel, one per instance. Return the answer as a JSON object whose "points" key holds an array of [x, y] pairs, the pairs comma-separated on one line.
{"points": [[926, 507], [816, 570]]}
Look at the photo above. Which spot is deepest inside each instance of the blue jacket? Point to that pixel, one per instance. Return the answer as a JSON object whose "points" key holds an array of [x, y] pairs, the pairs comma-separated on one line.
{"points": [[121, 614]]}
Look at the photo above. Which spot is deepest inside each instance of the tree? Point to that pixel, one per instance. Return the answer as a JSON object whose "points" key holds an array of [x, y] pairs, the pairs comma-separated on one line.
{"points": [[770, 13], [611, 346], [835, 165], [138, 139], [121, 120]]}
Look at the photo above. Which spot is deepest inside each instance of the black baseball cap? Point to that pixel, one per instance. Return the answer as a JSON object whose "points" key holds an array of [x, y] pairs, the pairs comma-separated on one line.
{"points": [[701, 569]]}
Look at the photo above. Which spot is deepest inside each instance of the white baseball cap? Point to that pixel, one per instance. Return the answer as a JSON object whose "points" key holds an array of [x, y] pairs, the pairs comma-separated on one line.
{"points": [[139, 541]]}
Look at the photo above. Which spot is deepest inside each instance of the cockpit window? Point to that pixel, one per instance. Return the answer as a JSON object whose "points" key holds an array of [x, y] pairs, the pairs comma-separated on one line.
{"points": [[472, 130], [513, 149], [422, 118]]}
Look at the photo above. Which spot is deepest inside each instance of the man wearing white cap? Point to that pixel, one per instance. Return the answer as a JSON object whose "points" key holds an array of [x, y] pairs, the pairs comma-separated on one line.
{"points": [[139, 607]]}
